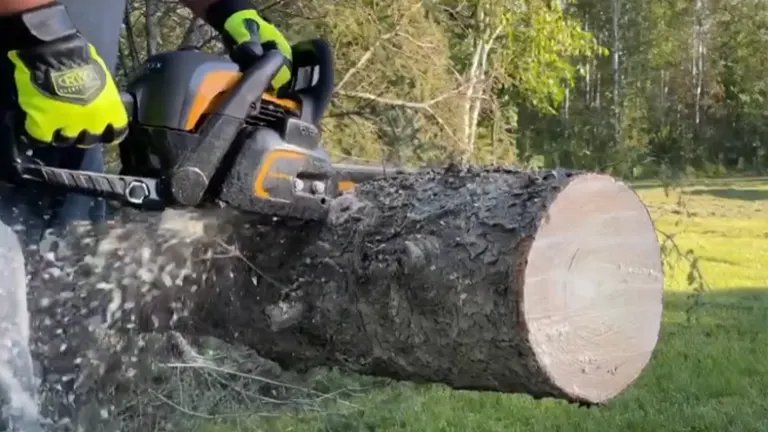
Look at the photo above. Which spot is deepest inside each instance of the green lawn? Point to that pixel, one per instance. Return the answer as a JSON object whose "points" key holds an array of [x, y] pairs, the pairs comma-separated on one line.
{"points": [[709, 373]]}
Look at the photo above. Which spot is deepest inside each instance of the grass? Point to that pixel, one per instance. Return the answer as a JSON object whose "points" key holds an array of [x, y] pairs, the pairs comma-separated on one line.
{"points": [[709, 373]]}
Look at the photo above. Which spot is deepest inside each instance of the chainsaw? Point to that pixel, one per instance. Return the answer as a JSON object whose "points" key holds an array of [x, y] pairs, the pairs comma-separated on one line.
{"points": [[203, 132]]}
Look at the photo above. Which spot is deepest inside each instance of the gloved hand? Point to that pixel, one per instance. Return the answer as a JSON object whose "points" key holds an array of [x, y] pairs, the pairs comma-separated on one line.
{"points": [[248, 35], [65, 95]]}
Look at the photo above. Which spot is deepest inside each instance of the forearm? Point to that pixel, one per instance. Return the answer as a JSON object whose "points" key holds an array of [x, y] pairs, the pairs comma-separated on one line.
{"points": [[198, 7], [8, 7], [216, 12]]}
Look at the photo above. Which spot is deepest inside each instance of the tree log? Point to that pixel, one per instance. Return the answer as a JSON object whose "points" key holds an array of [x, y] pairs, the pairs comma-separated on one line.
{"points": [[545, 283]]}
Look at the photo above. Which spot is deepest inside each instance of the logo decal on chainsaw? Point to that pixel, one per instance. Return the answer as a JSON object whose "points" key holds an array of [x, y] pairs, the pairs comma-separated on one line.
{"points": [[81, 83], [269, 170]]}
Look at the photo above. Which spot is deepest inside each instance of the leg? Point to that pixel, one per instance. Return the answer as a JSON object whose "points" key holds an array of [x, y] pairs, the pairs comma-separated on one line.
{"points": [[18, 386], [77, 207], [101, 23], [17, 378]]}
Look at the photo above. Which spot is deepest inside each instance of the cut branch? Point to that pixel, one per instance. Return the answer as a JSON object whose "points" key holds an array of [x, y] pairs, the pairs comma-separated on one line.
{"points": [[424, 106], [368, 53]]}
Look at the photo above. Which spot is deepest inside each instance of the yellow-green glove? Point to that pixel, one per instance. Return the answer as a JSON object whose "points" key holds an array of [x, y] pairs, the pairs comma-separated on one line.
{"points": [[248, 35], [65, 94]]}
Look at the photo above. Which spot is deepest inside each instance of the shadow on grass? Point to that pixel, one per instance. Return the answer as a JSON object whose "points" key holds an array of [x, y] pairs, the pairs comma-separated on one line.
{"points": [[708, 373], [724, 182], [733, 193], [735, 305]]}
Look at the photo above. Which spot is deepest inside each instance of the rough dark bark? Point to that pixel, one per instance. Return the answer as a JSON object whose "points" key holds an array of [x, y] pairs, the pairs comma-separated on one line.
{"points": [[433, 277]]}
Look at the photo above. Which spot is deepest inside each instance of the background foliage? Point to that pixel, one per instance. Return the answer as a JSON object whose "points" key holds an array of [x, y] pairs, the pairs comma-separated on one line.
{"points": [[632, 88]]}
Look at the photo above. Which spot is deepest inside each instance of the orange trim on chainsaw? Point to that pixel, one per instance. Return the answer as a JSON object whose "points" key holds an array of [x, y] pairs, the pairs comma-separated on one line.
{"points": [[345, 186], [258, 184], [288, 104], [213, 85]]}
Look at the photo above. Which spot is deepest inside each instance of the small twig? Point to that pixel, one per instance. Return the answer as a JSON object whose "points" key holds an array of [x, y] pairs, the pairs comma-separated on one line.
{"points": [[181, 408], [235, 253], [187, 353], [207, 416], [253, 377]]}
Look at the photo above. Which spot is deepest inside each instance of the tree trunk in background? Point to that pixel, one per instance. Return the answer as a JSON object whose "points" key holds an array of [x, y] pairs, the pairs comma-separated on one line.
{"points": [[616, 66], [542, 283], [151, 30]]}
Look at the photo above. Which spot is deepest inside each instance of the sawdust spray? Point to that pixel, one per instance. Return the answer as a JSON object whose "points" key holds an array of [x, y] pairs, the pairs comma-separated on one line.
{"points": [[17, 380]]}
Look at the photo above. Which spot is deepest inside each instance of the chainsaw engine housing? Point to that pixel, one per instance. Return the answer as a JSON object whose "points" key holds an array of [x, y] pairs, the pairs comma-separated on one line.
{"points": [[214, 133]]}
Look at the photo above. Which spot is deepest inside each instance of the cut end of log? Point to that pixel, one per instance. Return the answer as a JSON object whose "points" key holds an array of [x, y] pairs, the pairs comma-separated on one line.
{"points": [[592, 295]]}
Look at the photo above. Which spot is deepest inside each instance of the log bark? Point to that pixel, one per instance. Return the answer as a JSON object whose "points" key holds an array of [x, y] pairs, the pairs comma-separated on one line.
{"points": [[545, 283]]}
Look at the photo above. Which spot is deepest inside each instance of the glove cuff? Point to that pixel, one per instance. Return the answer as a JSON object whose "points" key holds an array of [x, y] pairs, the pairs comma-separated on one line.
{"points": [[219, 12], [35, 27]]}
